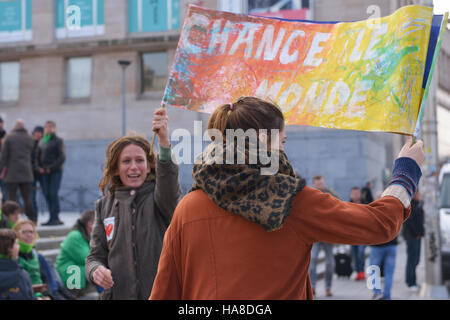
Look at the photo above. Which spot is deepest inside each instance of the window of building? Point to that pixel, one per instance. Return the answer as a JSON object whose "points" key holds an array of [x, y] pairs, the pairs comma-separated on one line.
{"points": [[15, 21], [276, 5], [9, 81], [285, 9], [79, 18], [79, 77], [153, 71], [153, 15]]}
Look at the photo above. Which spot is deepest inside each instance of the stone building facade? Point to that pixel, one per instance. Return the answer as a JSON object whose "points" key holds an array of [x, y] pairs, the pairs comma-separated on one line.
{"points": [[72, 76]]}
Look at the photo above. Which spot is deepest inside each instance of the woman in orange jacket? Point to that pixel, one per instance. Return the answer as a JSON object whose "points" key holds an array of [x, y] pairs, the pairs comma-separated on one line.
{"points": [[246, 233]]}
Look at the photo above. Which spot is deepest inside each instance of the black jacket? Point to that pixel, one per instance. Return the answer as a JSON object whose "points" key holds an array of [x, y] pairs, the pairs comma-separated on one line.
{"points": [[393, 242], [15, 283], [51, 155], [366, 195], [413, 227]]}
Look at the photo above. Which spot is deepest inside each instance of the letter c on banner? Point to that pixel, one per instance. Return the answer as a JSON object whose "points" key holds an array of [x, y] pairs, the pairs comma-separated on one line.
{"points": [[195, 20]]}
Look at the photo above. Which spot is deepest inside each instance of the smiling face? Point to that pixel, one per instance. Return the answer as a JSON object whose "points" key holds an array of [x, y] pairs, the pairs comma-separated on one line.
{"points": [[133, 166], [27, 233]]}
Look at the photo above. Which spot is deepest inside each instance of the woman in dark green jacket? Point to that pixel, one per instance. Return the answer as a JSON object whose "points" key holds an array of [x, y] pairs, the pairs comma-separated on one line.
{"points": [[141, 191]]}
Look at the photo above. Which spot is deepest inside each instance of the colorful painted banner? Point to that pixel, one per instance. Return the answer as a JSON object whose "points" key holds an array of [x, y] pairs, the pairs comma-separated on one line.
{"points": [[365, 75]]}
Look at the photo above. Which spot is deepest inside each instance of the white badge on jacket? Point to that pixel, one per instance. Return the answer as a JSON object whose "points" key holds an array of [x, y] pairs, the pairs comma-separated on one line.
{"points": [[109, 227]]}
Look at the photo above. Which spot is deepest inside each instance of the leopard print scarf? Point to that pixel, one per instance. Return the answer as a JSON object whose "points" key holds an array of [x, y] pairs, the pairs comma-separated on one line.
{"points": [[242, 190]]}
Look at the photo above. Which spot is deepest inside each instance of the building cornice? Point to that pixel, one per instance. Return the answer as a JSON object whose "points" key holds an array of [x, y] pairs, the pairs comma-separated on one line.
{"points": [[82, 46]]}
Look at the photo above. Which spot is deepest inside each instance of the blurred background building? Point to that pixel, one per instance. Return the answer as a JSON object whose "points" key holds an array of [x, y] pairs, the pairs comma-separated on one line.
{"points": [[52, 70]]}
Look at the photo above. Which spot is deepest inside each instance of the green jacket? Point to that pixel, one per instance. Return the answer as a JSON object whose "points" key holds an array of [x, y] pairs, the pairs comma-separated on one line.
{"points": [[30, 263], [73, 253]]}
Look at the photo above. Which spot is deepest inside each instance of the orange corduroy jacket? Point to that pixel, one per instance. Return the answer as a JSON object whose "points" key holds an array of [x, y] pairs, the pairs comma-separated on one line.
{"points": [[210, 253]]}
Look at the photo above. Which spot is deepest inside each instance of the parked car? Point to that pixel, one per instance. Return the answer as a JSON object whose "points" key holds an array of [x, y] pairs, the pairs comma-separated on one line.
{"points": [[444, 216]]}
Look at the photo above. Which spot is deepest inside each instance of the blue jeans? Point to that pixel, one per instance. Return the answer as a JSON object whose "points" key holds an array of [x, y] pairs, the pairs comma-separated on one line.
{"points": [[34, 192], [46, 269], [413, 258], [359, 257], [50, 186], [387, 256], [329, 263]]}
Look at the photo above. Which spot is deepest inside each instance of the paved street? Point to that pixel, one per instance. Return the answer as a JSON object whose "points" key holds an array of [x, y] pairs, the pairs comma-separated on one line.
{"points": [[348, 289]]}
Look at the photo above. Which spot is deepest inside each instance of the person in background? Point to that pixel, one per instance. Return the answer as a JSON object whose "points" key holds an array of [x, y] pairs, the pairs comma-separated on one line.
{"points": [[384, 255], [37, 134], [366, 193], [319, 183], [2, 173], [28, 257], [16, 158], [73, 253], [358, 251], [49, 162], [413, 230], [15, 282], [9, 214], [2, 131]]}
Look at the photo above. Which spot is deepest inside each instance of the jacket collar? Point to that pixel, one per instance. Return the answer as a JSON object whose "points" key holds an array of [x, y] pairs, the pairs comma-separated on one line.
{"points": [[129, 193], [20, 130]]}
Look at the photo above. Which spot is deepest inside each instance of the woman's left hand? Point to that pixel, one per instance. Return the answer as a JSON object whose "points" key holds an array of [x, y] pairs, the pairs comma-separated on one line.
{"points": [[160, 126]]}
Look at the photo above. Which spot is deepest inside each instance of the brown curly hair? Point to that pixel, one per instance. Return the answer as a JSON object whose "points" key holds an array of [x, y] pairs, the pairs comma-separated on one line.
{"points": [[111, 179], [7, 239]]}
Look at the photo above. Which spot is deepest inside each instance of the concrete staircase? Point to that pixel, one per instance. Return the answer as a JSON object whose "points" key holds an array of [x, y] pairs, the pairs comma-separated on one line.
{"points": [[50, 239]]}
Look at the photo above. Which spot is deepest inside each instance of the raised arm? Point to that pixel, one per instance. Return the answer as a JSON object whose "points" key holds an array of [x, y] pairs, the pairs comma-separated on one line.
{"points": [[167, 189], [320, 217]]}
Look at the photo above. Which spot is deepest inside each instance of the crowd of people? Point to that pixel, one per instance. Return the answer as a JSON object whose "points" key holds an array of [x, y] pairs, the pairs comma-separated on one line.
{"points": [[237, 234], [381, 255], [31, 161]]}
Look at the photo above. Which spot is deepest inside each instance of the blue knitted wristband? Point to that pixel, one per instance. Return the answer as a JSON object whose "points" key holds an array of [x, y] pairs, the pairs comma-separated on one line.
{"points": [[406, 173]]}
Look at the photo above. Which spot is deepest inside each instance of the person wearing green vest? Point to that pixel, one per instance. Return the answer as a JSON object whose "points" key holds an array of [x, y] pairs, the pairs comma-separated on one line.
{"points": [[28, 258], [9, 214], [73, 252]]}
